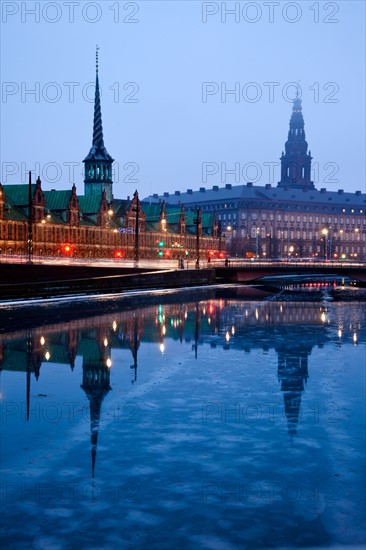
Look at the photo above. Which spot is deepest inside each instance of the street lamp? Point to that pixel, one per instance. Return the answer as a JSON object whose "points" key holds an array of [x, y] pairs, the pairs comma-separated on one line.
{"points": [[257, 241], [325, 232], [137, 229], [44, 236], [198, 221], [30, 219]]}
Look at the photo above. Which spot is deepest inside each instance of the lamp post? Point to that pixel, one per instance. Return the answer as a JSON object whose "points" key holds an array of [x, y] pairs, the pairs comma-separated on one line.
{"points": [[257, 241], [229, 230], [325, 234], [137, 210], [30, 220], [330, 243], [270, 251], [197, 222], [44, 236]]}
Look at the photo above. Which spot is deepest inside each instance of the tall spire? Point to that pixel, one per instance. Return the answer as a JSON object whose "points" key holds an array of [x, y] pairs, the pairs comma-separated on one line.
{"points": [[296, 161], [98, 162], [98, 127]]}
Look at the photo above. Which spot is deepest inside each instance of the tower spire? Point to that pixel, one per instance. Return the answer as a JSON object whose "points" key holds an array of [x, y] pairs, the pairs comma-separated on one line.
{"points": [[97, 126], [98, 162], [296, 161]]}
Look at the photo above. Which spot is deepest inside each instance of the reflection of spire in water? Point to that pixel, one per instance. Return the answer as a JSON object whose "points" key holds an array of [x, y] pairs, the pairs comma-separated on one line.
{"points": [[134, 345], [182, 310], [96, 378], [72, 346], [292, 372], [29, 369], [196, 328]]}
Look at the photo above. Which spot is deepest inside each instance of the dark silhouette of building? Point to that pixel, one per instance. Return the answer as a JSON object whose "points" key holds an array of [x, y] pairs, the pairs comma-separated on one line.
{"points": [[292, 219], [296, 161]]}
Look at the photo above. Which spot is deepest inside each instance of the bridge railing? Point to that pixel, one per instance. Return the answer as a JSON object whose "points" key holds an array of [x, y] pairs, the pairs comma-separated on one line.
{"points": [[250, 264]]}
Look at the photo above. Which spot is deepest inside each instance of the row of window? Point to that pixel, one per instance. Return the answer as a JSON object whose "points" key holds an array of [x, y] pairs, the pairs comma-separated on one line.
{"points": [[305, 219], [225, 206], [261, 232], [85, 235]]}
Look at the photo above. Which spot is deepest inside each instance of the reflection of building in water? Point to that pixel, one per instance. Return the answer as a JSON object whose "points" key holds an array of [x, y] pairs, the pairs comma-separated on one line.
{"points": [[292, 329], [293, 373], [96, 384]]}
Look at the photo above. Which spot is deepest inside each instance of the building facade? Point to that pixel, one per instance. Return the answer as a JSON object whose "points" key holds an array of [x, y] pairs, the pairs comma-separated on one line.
{"points": [[35, 222], [292, 219]]}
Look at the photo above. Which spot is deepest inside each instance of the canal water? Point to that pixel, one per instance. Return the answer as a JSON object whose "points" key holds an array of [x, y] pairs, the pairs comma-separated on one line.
{"points": [[207, 419]]}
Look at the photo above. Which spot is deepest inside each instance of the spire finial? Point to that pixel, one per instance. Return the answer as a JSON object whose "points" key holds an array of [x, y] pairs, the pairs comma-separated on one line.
{"points": [[96, 58], [297, 99]]}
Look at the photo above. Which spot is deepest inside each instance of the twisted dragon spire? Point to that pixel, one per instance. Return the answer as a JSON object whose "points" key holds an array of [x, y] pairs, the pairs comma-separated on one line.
{"points": [[97, 127]]}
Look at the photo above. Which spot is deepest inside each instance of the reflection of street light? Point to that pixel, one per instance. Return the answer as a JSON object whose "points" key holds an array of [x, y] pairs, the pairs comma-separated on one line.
{"points": [[291, 249]]}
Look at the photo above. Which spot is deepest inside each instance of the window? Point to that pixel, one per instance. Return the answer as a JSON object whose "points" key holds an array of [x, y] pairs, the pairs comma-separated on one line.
{"points": [[263, 232], [243, 215], [254, 216], [253, 232], [271, 217], [292, 218], [298, 218], [279, 217]]}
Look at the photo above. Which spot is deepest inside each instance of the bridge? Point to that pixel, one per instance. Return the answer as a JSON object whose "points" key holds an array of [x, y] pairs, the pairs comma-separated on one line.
{"points": [[242, 271], [52, 279]]}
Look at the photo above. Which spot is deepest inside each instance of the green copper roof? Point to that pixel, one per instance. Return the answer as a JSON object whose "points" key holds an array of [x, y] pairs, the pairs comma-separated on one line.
{"points": [[57, 200], [18, 194], [89, 204]]}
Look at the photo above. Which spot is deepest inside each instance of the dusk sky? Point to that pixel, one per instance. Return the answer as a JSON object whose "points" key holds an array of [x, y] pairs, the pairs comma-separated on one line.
{"points": [[164, 70]]}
